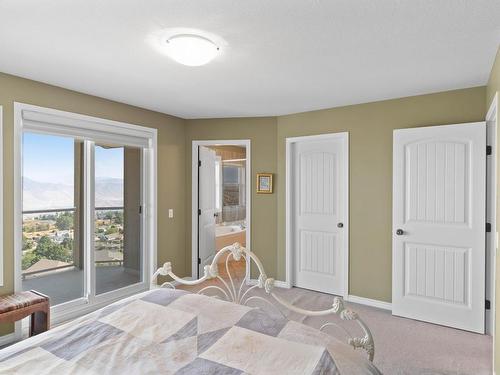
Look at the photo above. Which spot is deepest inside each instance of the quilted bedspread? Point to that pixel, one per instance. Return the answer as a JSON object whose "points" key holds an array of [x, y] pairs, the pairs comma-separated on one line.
{"points": [[166, 331]]}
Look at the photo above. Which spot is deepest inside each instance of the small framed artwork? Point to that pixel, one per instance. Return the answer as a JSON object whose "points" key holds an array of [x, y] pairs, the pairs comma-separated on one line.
{"points": [[264, 183]]}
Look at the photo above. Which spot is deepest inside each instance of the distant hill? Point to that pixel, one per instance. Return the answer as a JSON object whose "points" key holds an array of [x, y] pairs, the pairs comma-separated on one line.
{"points": [[45, 195], [108, 192]]}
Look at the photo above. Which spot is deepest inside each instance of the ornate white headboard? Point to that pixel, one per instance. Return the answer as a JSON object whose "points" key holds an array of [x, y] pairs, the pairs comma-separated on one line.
{"points": [[240, 294]]}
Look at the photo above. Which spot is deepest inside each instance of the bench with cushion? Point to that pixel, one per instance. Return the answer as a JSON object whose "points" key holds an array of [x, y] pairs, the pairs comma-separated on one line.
{"points": [[17, 306]]}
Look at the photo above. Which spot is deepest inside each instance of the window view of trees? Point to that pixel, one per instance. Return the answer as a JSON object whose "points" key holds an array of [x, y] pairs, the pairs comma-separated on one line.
{"points": [[48, 236], [109, 237], [51, 237], [48, 249]]}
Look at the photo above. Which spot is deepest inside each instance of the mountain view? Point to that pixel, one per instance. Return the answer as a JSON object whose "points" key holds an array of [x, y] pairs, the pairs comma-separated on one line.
{"points": [[44, 195]]}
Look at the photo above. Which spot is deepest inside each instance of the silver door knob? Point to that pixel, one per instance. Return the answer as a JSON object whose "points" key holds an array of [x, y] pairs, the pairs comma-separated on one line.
{"points": [[399, 232], [340, 225]]}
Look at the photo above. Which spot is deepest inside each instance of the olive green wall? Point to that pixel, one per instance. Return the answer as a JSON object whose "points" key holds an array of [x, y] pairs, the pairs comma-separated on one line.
{"points": [[370, 128], [171, 161], [262, 134], [492, 88]]}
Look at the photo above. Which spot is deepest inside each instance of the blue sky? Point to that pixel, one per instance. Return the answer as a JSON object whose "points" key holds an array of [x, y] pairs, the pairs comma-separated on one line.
{"points": [[48, 158]]}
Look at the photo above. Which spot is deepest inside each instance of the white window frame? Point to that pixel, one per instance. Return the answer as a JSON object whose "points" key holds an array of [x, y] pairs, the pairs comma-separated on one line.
{"points": [[241, 186], [89, 129], [218, 184]]}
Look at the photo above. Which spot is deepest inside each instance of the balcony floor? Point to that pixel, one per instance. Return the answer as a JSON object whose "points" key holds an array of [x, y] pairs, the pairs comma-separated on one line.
{"points": [[64, 286]]}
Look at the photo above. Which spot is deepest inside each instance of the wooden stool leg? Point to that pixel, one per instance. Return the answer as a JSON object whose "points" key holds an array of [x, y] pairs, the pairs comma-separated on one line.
{"points": [[39, 322], [32, 324]]}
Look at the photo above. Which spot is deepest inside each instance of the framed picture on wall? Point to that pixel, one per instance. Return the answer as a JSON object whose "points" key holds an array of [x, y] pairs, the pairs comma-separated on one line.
{"points": [[264, 183]]}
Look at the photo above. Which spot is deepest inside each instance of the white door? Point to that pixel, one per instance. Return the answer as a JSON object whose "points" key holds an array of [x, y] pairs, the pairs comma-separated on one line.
{"points": [[319, 212], [439, 225], [206, 207]]}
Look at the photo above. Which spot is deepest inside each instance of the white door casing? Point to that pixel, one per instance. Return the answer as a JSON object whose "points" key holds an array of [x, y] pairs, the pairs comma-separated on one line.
{"points": [[439, 194], [491, 213], [491, 182], [319, 212], [195, 144], [206, 206]]}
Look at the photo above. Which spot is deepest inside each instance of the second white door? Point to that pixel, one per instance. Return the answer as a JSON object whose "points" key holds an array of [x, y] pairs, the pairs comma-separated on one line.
{"points": [[318, 203], [439, 225]]}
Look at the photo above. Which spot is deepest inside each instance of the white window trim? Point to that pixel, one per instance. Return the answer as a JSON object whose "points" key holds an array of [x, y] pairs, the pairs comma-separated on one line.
{"points": [[241, 186], [118, 132], [218, 185]]}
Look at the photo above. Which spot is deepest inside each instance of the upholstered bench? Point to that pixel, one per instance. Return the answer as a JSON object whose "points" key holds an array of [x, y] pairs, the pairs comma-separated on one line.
{"points": [[17, 306]]}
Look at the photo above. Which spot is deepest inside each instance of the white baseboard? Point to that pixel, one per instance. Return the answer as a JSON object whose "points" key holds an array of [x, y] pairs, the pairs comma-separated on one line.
{"points": [[369, 302], [7, 339], [350, 298], [281, 284], [277, 283]]}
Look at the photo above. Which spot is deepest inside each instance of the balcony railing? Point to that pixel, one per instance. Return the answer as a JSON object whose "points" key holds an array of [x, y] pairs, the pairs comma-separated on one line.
{"points": [[51, 210], [69, 209], [118, 262]]}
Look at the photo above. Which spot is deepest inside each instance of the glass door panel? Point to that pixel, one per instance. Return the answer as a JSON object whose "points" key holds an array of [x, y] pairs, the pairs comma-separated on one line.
{"points": [[117, 218], [52, 255]]}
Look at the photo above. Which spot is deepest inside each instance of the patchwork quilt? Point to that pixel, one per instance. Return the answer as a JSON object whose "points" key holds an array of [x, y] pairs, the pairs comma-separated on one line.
{"points": [[167, 331]]}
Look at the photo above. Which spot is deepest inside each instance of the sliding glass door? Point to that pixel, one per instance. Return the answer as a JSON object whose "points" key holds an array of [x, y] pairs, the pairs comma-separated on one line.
{"points": [[118, 257], [82, 205], [84, 208]]}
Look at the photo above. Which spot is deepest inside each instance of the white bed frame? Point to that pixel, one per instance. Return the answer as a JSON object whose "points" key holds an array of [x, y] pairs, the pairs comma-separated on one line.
{"points": [[240, 295]]}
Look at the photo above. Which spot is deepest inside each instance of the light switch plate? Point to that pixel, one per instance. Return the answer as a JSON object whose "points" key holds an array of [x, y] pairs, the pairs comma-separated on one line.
{"points": [[170, 213]]}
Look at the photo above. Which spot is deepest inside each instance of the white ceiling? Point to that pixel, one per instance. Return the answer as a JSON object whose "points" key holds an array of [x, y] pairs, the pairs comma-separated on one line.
{"points": [[277, 57]]}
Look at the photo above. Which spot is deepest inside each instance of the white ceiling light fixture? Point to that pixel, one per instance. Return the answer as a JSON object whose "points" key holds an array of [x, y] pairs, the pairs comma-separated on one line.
{"points": [[191, 49]]}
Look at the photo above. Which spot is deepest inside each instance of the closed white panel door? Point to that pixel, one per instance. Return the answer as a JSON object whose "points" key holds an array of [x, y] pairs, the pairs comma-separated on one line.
{"points": [[319, 212], [439, 225], [206, 205]]}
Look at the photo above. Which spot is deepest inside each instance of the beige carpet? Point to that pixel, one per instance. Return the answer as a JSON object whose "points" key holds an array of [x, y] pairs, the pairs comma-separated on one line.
{"points": [[404, 346]]}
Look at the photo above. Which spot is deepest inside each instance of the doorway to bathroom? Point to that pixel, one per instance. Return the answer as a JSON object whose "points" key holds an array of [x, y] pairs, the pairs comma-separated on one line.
{"points": [[220, 199]]}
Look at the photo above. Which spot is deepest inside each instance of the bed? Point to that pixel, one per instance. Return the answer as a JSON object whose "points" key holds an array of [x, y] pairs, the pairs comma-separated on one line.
{"points": [[171, 331]]}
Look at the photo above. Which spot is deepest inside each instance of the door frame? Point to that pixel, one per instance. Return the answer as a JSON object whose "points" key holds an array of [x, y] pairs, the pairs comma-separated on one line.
{"points": [[289, 256], [194, 195], [491, 201], [89, 302]]}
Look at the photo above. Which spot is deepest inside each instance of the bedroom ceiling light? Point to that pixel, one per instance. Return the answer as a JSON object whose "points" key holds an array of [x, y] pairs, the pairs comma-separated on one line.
{"points": [[191, 49]]}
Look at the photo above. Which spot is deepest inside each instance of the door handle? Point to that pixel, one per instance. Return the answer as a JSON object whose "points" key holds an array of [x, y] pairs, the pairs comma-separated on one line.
{"points": [[340, 225], [399, 232]]}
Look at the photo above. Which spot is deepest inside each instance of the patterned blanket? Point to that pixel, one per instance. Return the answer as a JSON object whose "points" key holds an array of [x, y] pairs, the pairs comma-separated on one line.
{"points": [[174, 332]]}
